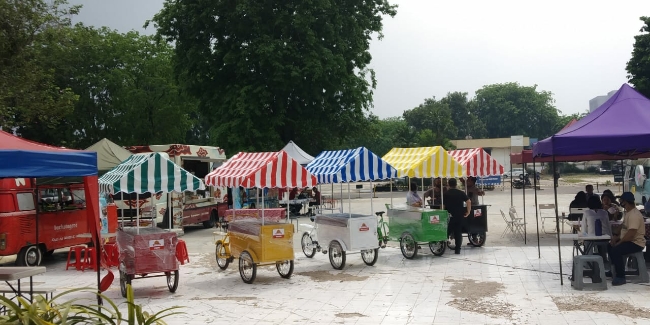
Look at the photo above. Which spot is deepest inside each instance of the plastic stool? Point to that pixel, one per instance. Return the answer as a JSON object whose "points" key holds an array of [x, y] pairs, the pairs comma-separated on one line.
{"points": [[89, 258], [595, 262], [181, 252], [111, 255], [78, 260], [640, 275]]}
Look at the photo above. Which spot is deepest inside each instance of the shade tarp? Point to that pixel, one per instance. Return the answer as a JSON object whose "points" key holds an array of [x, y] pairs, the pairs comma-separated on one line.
{"points": [[353, 165], [28, 159], [262, 170], [617, 128], [149, 173], [477, 162], [424, 162], [298, 154], [109, 154]]}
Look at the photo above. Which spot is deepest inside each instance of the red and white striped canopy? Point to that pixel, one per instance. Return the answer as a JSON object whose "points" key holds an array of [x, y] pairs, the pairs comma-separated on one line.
{"points": [[262, 170], [477, 162]]}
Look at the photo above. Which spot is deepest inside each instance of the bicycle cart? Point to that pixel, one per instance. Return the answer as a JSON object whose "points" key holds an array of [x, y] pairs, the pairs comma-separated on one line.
{"points": [[257, 244], [413, 227], [342, 233], [149, 253]]}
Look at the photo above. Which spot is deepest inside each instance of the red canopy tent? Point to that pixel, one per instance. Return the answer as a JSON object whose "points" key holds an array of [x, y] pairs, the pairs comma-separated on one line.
{"points": [[262, 170], [477, 162]]}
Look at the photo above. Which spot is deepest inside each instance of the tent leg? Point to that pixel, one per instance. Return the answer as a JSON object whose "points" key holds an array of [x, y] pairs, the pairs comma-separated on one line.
{"points": [[557, 226], [391, 193], [524, 195], [539, 252], [372, 210]]}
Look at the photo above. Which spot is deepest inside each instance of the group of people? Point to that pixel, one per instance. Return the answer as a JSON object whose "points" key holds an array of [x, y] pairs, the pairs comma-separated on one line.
{"points": [[630, 239], [456, 202], [314, 196]]}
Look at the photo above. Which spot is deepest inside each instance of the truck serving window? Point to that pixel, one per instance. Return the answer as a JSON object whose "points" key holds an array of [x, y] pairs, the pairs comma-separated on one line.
{"points": [[25, 201]]}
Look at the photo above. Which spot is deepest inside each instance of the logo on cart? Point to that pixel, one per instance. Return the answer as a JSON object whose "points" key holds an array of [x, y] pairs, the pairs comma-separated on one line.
{"points": [[278, 233], [434, 219], [478, 213], [364, 227], [156, 244]]}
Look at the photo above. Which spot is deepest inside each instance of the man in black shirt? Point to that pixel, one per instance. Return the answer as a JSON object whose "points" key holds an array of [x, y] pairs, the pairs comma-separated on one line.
{"points": [[454, 199]]}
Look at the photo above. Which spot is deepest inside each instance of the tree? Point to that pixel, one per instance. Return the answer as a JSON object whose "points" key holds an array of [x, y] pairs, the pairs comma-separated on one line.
{"points": [[638, 68], [267, 72], [126, 89], [432, 122], [463, 115], [27, 89], [510, 109]]}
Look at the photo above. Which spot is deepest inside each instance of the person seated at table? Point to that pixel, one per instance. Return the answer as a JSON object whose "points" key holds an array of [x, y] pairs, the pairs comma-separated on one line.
{"points": [[631, 241], [315, 194], [580, 201], [412, 197], [609, 205], [589, 217], [293, 193]]}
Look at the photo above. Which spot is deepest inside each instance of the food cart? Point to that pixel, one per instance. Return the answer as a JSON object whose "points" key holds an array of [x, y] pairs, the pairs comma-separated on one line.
{"points": [[479, 164], [340, 233], [256, 241], [420, 225], [416, 226], [148, 251]]}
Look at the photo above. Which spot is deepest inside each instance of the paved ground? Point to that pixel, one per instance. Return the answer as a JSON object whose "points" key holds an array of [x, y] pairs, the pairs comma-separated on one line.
{"points": [[504, 282]]}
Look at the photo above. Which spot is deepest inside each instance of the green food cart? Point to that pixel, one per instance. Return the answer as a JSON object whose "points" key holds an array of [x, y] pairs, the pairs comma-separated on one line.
{"points": [[413, 227]]}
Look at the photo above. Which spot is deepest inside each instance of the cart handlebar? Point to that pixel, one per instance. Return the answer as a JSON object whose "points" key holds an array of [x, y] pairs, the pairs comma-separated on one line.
{"points": [[380, 213]]}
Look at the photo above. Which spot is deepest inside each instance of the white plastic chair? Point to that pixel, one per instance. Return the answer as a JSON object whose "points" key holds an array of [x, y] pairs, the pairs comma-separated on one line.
{"points": [[544, 217], [517, 222]]}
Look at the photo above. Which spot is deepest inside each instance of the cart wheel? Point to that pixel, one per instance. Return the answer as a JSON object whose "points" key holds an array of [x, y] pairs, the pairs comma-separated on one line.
{"points": [[370, 256], [451, 243], [172, 280], [477, 239], [337, 255], [220, 253], [408, 246], [285, 268], [438, 247], [247, 267], [124, 280], [308, 245]]}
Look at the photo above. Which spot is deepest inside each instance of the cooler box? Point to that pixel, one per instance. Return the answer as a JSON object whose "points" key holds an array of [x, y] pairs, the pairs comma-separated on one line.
{"points": [[426, 225], [357, 231], [152, 250], [271, 242]]}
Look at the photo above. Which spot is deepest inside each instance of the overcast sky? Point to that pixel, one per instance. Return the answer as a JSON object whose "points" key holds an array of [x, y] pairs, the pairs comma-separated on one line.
{"points": [[576, 49]]}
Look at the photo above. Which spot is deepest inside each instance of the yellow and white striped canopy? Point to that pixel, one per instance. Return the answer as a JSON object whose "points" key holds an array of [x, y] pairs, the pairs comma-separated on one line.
{"points": [[424, 162]]}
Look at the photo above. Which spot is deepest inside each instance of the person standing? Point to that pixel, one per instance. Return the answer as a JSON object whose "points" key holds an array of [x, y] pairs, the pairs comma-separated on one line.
{"points": [[632, 238], [473, 192], [589, 189], [458, 205]]}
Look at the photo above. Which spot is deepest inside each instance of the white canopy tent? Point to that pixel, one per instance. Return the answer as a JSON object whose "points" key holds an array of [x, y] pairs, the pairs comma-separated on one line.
{"points": [[297, 154], [109, 154]]}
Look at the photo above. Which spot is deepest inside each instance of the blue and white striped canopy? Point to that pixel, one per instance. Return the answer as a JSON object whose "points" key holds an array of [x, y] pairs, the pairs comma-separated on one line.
{"points": [[353, 165]]}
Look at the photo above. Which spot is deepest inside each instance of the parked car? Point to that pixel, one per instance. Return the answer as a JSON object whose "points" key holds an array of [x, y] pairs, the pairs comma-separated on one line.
{"points": [[515, 172], [602, 170]]}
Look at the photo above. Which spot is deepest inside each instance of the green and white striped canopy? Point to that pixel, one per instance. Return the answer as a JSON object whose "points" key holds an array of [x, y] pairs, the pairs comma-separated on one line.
{"points": [[149, 173]]}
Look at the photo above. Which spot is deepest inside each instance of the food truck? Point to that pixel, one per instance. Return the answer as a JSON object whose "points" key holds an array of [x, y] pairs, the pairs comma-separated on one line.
{"points": [[189, 208], [61, 213]]}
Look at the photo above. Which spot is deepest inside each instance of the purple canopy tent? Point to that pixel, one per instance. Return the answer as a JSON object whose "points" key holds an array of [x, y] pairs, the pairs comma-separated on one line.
{"points": [[618, 129]]}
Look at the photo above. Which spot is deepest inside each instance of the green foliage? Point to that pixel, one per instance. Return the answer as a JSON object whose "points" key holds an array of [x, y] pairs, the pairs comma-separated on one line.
{"points": [[510, 109], [638, 68], [27, 88], [432, 123], [75, 311], [266, 72], [126, 90], [464, 116]]}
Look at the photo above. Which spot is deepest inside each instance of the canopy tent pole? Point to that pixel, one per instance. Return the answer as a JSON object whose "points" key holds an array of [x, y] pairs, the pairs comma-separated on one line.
{"points": [[262, 206], [170, 212], [422, 191], [341, 196], [442, 195], [349, 200], [391, 192], [539, 252], [137, 212], [372, 210], [523, 191], [557, 225], [333, 201], [512, 202]]}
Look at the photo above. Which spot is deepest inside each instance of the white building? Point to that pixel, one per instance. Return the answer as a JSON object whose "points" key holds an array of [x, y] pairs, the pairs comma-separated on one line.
{"points": [[599, 100], [498, 148]]}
